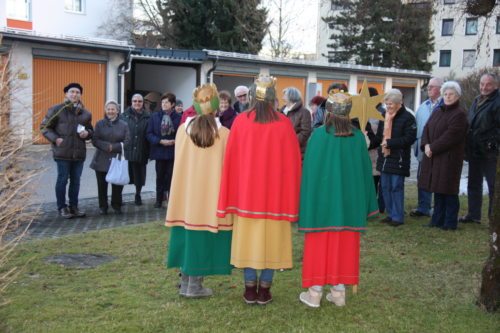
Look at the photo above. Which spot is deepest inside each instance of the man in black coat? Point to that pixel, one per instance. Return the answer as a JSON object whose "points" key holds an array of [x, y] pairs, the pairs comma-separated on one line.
{"points": [[67, 126], [482, 142]]}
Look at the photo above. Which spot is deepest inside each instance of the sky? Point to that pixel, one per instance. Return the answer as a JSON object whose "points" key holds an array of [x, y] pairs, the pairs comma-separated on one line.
{"points": [[302, 18]]}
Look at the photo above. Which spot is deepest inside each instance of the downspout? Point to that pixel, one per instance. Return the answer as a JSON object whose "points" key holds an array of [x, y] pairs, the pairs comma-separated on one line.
{"points": [[123, 68], [214, 66]]}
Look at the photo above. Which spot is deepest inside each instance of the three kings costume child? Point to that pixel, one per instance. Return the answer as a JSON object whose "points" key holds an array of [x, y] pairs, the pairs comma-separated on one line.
{"points": [[337, 196], [200, 242]]}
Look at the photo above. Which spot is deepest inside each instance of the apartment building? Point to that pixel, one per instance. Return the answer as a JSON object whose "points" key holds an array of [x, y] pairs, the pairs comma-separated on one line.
{"points": [[463, 42]]}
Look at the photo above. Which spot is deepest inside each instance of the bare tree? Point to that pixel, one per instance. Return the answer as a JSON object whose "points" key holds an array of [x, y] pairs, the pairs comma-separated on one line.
{"points": [[277, 33], [16, 175]]}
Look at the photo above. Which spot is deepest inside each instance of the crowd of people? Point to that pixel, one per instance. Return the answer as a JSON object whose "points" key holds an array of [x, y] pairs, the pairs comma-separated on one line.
{"points": [[236, 175]]}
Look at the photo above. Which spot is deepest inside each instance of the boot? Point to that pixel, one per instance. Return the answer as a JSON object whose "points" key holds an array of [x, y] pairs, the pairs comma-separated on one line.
{"points": [[311, 298], [264, 295], [195, 288], [250, 295], [336, 297], [184, 284]]}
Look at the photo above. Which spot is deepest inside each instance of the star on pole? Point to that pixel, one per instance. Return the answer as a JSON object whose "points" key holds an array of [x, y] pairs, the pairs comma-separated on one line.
{"points": [[364, 106]]}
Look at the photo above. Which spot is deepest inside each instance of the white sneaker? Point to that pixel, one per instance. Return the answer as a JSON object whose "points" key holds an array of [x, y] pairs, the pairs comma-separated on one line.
{"points": [[336, 297], [311, 298]]}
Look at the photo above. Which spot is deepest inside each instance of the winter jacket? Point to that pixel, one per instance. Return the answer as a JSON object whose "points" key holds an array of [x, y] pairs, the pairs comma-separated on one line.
{"points": [[138, 148], [423, 114], [227, 117], [404, 131], [154, 135], [301, 121], [62, 121], [445, 133], [483, 137], [107, 134]]}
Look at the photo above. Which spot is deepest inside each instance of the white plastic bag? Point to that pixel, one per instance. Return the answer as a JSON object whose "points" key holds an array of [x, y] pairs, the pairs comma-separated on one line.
{"points": [[118, 170]]}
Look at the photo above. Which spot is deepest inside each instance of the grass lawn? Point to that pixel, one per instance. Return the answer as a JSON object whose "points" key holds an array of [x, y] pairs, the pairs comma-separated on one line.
{"points": [[413, 279]]}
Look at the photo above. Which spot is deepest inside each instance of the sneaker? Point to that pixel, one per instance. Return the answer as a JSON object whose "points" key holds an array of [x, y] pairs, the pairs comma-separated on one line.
{"points": [[336, 297], [264, 295], [417, 213], [394, 223], [65, 213], [250, 295], [76, 212], [311, 298], [467, 219]]}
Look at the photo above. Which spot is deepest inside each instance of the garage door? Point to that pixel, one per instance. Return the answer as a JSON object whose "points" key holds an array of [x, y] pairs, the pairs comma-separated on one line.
{"points": [[50, 76]]}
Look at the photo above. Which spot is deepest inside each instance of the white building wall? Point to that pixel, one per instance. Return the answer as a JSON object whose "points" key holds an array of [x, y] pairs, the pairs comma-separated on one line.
{"points": [[21, 66], [484, 42]]}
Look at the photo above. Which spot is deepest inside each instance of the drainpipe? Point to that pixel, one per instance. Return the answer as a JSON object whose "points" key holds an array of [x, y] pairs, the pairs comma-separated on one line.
{"points": [[124, 67], [214, 66]]}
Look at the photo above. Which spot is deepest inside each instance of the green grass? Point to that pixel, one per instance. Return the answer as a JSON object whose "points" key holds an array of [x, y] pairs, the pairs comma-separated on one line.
{"points": [[413, 279]]}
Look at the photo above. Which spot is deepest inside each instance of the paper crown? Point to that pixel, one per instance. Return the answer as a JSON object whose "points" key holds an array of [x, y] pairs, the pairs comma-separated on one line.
{"points": [[339, 103], [264, 88], [206, 99]]}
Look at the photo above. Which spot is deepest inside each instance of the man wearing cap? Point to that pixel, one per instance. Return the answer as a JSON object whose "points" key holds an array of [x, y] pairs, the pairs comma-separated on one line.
{"points": [[67, 126], [241, 94]]}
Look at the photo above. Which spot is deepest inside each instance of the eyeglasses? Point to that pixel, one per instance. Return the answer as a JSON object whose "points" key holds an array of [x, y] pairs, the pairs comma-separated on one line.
{"points": [[240, 96], [137, 101], [430, 87]]}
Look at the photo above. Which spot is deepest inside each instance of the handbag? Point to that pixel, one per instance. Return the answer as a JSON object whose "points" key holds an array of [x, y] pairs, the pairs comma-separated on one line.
{"points": [[118, 170]]}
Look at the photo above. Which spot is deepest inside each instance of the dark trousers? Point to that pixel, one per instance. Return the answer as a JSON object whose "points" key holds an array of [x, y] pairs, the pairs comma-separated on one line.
{"points": [[380, 196], [446, 208], [102, 191], [72, 171], [164, 170], [137, 173], [424, 197], [477, 170]]}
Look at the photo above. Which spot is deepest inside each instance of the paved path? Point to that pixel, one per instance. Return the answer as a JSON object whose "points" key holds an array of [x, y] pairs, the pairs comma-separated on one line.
{"points": [[50, 225]]}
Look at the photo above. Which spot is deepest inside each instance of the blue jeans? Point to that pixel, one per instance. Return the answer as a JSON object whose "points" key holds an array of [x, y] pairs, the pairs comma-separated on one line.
{"points": [[71, 170], [393, 189], [250, 275], [446, 208], [424, 198]]}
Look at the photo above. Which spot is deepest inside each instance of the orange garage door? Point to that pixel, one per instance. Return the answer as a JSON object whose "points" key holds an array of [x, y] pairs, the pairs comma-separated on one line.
{"points": [[50, 76], [283, 82]]}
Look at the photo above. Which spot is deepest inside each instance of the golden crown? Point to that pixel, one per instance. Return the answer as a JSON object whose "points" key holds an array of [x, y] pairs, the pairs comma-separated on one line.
{"points": [[262, 83], [206, 98]]}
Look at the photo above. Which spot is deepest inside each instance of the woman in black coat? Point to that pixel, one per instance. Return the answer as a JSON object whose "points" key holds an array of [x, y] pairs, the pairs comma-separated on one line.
{"points": [[110, 135], [443, 142], [137, 152]]}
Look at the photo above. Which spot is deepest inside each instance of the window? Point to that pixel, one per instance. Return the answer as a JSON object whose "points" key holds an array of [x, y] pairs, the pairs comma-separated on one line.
{"points": [[496, 57], [447, 29], [76, 6], [19, 9], [469, 58], [338, 5], [444, 58], [471, 26], [498, 24], [449, 2]]}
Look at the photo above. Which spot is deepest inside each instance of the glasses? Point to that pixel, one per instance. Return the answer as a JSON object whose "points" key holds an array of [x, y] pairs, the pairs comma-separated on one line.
{"points": [[430, 87], [136, 101], [241, 96]]}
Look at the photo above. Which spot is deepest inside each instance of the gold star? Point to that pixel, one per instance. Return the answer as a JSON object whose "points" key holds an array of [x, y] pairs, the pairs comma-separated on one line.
{"points": [[364, 106]]}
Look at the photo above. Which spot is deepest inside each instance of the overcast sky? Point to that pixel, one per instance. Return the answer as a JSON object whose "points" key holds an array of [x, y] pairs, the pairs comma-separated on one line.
{"points": [[302, 18]]}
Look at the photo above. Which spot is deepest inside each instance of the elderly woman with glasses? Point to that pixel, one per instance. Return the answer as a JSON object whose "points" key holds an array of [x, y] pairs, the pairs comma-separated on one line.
{"points": [[137, 151], [241, 94], [443, 144], [399, 133]]}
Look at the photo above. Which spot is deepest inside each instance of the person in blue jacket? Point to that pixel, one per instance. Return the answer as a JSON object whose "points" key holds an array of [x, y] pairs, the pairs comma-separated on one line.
{"points": [[161, 131]]}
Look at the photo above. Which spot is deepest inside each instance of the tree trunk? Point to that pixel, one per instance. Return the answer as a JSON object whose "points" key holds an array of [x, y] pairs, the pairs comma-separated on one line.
{"points": [[489, 297]]}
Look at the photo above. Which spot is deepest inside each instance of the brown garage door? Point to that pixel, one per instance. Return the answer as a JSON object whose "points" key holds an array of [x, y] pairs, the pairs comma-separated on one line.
{"points": [[288, 81], [50, 76]]}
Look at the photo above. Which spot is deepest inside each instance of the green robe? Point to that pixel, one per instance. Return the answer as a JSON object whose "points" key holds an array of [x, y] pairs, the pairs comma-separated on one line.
{"points": [[337, 190]]}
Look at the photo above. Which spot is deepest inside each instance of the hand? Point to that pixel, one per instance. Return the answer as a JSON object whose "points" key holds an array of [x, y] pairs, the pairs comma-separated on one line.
{"points": [[110, 148], [84, 134], [59, 141], [428, 151], [164, 142], [384, 144]]}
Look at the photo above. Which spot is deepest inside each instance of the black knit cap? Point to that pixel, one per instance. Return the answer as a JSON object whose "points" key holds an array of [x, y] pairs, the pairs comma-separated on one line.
{"points": [[73, 85]]}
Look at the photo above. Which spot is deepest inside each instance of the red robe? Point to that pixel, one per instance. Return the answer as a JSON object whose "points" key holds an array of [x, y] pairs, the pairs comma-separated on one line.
{"points": [[262, 170]]}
